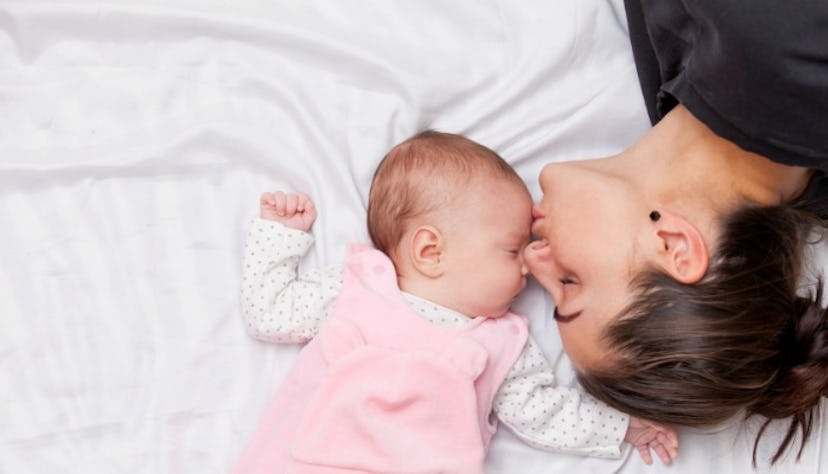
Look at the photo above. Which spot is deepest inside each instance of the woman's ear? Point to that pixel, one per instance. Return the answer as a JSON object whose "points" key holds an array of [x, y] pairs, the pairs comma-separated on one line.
{"points": [[681, 250], [427, 251]]}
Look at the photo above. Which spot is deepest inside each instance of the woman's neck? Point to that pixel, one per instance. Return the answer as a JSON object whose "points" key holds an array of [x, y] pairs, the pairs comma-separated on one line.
{"points": [[686, 157]]}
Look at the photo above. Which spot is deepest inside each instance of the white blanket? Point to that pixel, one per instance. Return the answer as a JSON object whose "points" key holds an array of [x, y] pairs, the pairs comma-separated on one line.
{"points": [[135, 139]]}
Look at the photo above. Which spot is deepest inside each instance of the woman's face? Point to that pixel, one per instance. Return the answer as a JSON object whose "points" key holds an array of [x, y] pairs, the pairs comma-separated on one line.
{"points": [[586, 224]]}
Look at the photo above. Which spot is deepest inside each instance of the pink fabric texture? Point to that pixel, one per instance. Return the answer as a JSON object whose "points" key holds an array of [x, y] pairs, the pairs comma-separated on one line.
{"points": [[381, 390]]}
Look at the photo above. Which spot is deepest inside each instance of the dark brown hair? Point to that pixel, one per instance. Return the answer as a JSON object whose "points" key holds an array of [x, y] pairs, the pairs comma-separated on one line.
{"points": [[422, 174], [748, 338]]}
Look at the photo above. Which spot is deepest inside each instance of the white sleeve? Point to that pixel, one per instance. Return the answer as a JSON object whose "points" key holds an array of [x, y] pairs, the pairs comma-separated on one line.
{"points": [[276, 305], [552, 418]]}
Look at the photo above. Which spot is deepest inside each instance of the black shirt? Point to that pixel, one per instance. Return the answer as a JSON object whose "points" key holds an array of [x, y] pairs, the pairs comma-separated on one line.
{"points": [[754, 71]]}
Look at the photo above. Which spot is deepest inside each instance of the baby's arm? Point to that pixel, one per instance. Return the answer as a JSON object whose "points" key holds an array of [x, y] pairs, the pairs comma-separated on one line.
{"points": [[276, 305], [562, 419]]}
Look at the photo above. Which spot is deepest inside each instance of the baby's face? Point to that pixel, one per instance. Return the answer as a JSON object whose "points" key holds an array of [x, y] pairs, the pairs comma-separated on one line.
{"points": [[485, 249]]}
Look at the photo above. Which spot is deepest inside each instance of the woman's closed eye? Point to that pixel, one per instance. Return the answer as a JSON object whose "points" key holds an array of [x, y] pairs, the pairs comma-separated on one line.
{"points": [[564, 318]]}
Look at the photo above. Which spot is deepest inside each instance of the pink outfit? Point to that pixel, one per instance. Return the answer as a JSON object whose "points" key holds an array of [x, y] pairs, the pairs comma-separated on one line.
{"points": [[381, 390]]}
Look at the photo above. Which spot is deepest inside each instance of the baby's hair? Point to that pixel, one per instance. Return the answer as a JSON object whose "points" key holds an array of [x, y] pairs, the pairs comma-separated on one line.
{"points": [[420, 175]]}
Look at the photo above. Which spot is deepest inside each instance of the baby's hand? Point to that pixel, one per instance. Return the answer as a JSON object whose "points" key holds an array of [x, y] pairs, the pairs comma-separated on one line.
{"points": [[293, 210], [644, 435]]}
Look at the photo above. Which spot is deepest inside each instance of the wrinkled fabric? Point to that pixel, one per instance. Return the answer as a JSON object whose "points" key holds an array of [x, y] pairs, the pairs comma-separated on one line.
{"points": [[135, 139]]}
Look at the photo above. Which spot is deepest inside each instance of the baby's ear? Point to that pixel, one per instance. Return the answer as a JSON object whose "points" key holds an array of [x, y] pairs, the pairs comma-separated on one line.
{"points": [[427, 244]]}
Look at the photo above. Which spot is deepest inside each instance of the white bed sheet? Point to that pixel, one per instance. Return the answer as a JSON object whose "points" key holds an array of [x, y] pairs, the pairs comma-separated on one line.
{"points": [[135, 138]]}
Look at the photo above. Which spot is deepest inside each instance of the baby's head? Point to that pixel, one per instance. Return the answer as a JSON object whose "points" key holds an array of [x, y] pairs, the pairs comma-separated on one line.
{"points": [[453, 216]]}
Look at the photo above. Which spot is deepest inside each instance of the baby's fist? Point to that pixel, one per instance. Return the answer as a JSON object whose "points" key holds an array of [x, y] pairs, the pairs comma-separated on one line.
{"points": [[294, 210]]}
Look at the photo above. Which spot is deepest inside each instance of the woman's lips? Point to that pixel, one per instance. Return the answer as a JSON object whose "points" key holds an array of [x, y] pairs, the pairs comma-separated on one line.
{"points": [[536, 213]]}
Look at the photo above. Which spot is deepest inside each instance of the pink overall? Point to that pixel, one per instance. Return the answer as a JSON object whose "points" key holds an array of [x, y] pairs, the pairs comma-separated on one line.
{"points": [[382, 390]]}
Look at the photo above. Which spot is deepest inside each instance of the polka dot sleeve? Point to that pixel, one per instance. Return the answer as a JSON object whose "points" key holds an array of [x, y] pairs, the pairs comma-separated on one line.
{"points": [[276, 305], [555, 418]]}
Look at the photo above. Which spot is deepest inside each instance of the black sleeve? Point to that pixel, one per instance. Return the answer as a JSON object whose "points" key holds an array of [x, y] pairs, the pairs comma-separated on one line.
{"points": [[755, 72], [646, 63]]}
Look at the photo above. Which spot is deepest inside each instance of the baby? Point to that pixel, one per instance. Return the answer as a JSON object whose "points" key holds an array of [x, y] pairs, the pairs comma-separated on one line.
{"points": [[411, 346]]}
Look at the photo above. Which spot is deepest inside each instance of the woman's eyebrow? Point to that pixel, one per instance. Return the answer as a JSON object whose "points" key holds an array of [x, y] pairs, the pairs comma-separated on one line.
{"points": [[564, 318]]}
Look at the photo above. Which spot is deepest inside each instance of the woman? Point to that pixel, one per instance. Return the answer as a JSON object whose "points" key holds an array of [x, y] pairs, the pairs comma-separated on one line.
{"points": [[676, 266]]}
